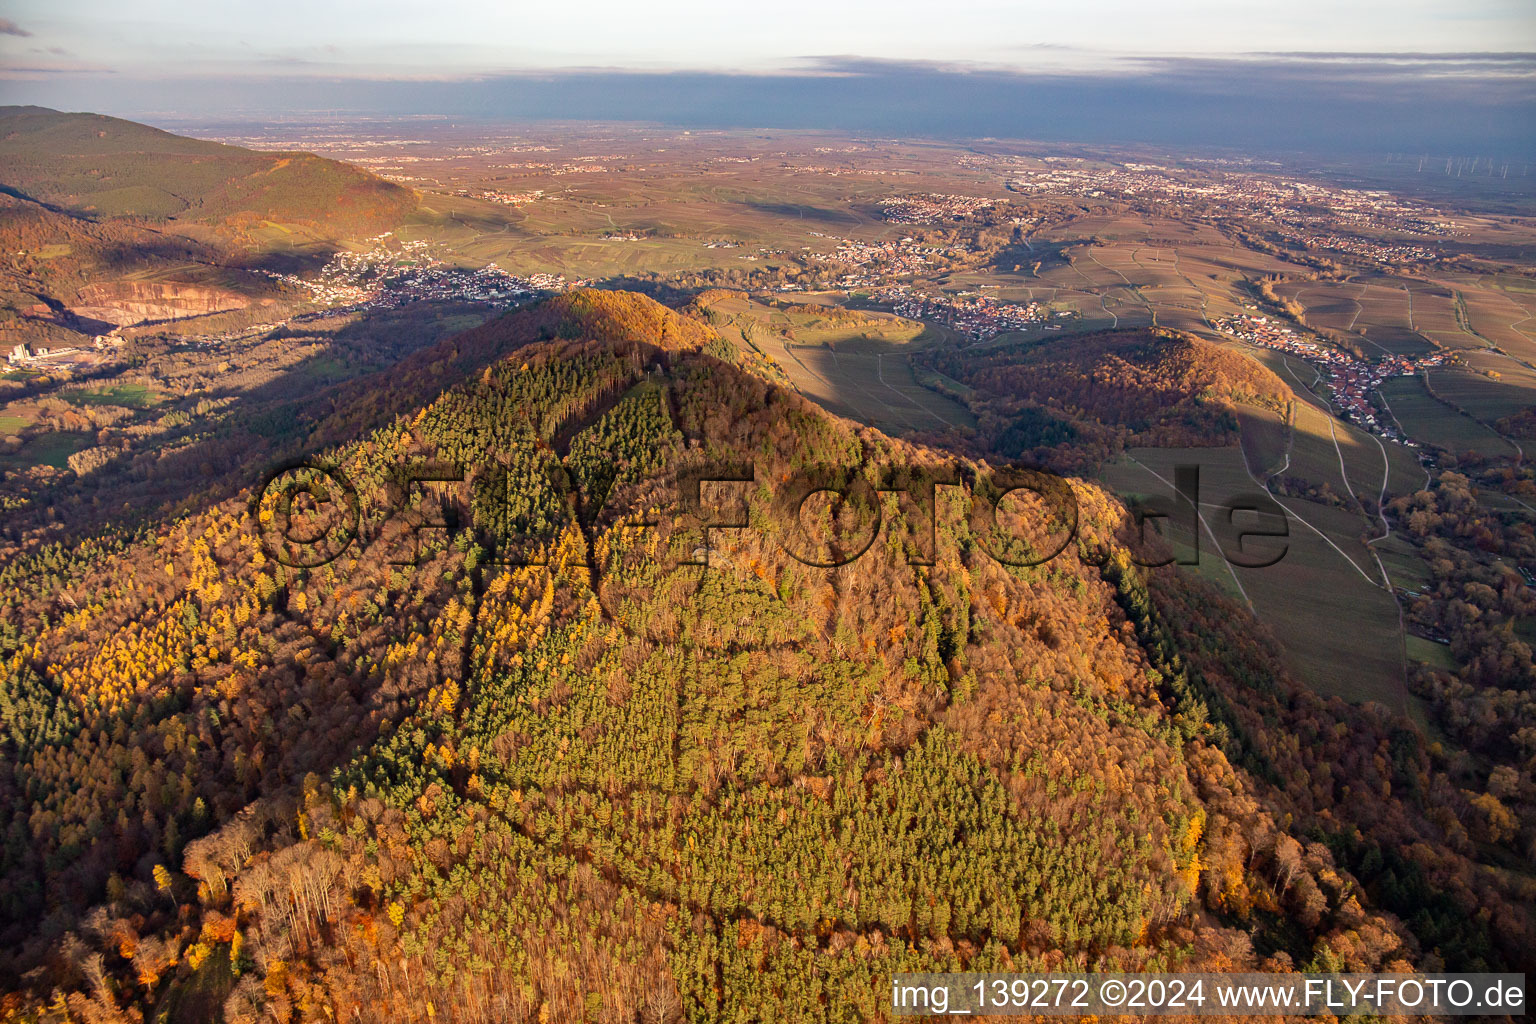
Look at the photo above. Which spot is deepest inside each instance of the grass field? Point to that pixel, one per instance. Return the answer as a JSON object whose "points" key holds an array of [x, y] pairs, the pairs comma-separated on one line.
{"points": [[1404, 564], [50, 449], [1429, 653], [129, 396]]}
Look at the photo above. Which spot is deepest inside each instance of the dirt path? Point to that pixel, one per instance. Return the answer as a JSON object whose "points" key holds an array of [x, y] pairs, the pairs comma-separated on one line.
{"points": [[1208, 531]]}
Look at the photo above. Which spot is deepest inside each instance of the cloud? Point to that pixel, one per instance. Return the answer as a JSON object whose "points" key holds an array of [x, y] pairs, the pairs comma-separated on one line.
{"points": [[1258, 103], [1400, 57], [10, 28]]}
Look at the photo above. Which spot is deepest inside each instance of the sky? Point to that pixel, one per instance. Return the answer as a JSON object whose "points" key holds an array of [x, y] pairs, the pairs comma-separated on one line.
{"points": [[1107, 67], [456, 37]]}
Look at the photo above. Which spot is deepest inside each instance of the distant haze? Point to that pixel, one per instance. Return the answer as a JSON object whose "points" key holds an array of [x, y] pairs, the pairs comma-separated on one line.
{"points": [[1302, 75]]}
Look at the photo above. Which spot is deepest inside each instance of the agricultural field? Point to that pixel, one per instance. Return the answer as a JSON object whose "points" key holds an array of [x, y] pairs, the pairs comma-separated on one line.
{"points": [[682, 213], [1266, 440], [874, 387], [1423, 415], [1377, 313], [1494, 315], [1485, 398], [1437, 316], [1181, 282], [1326, 577]]}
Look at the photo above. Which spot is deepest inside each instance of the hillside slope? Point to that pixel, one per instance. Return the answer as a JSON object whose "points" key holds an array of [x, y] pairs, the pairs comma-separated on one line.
{"points": [[534, 745], [97, 166]]}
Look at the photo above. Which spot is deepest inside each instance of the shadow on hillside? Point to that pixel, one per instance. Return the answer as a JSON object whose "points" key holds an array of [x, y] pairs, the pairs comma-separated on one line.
{"points": [[149, 248], [289, 261]]}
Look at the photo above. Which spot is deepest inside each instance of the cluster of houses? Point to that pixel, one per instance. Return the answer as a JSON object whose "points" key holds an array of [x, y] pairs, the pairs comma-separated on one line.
{"points": [[925, 209], [1389, 253], [1238, 193], [876, 262], [391, 273], [1350, 381], [504, 198], [978, 317], [837, 172], [571, 168], [899, 257]]}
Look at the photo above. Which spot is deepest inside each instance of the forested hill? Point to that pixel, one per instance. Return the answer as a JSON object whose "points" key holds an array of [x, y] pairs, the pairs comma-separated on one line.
{"points": [[96, 166], [534, 746], [1071, 401]]}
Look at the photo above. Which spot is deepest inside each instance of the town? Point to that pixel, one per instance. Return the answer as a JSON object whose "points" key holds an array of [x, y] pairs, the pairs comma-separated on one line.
{"points": [[926, 209], [1301, 211], [877, 262]]}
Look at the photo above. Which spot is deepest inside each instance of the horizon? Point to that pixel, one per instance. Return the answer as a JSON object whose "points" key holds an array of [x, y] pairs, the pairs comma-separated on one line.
{"points": [[1256, 105], [1180, 74]]}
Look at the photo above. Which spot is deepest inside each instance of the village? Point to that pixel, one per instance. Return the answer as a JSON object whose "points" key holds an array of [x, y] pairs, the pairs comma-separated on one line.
{"points": [[979, 317], [1349, 381], [877, 262], [392, 273], [503, 198], [1386, 253], [386, 275]]}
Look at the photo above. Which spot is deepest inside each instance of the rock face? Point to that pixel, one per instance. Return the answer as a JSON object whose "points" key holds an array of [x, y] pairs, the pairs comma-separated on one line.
{"points": [[125, 303]]}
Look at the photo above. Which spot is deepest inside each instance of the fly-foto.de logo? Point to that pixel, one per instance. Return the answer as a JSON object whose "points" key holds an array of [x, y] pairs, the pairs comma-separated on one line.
{"points": [[310, 513]]}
